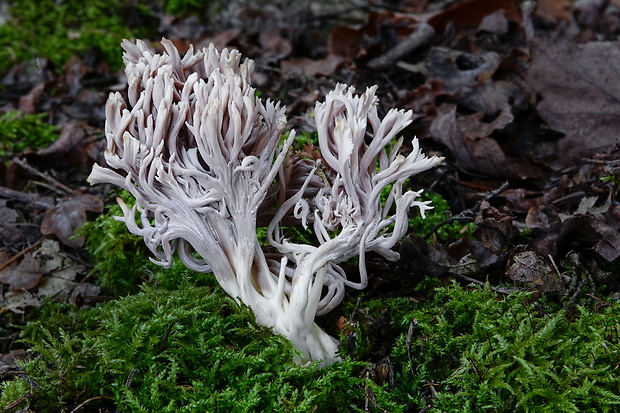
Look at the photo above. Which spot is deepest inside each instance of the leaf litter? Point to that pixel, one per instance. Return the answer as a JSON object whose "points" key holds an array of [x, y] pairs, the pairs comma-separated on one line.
{"points": [[45, 274]]}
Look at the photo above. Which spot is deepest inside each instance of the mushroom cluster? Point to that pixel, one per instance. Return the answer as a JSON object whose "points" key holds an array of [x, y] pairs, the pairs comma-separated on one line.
{"points": [[207, 161]]}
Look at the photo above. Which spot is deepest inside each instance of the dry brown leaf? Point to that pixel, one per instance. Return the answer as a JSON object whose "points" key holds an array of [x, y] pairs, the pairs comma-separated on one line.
{"points": [[380, 32], [24, 276], [589, 231], [422, 99], [58, 283], [580, 89], [495, 22], [310, 67], [84, 293], [459, 70], [69, 215], [493, 227], [223, 38], [73, 147], [464, 14], [553, 10], [345, 41], [419, 258], [10, 233], [533, 269], [274, 45], [30, 103], [544, 223], [491, 97], [468, 139], [72, 135], [522, 200]]}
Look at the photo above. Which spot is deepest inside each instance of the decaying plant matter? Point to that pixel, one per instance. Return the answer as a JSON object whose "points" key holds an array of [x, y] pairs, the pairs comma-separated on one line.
{"points": [[205, 159]]}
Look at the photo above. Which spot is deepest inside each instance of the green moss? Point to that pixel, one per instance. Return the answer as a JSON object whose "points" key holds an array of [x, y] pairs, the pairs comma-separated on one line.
{"points": [[11, 391], [483, 352], [436, 216], [306, 138], [121, 259], [188, 347], [190, 7], [172, 350], [180, 344], [523, 361], [59, 30], [19, 132]]}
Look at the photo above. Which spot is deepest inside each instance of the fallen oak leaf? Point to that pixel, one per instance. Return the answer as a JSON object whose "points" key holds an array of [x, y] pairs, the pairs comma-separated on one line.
{"points": [[380, 31], [18, 302], [553, 10], [56, 288], [274, 44], [69, 215], [85, 294], [456, 69]]}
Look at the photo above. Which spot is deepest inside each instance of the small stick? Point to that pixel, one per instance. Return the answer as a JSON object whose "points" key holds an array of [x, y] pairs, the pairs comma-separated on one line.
{"points": [[79, 406], [422, 34], [19, 254], [38, 202], [500, 290], [24, 164], [132, 373], [18, 401], [468, 213]]}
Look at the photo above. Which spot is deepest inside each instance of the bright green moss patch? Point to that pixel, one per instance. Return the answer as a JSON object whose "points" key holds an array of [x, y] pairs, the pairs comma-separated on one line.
{"points": [[481, 352], [187, 349], [19, 132], [59, 30], [120, 258], [436, 217], [522, 361]]}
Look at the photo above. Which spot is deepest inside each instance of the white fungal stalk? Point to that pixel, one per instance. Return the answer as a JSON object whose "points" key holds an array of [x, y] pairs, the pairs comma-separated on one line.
{"points": [[205, 159]]}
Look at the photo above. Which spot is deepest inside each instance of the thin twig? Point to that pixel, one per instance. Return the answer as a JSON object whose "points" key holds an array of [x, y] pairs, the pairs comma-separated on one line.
{"points": [[56, 184], [132, 373], [501, 290], [18, 401], [36, 201], [19, 254], [79, 406], [420, 36], [467, 214]]}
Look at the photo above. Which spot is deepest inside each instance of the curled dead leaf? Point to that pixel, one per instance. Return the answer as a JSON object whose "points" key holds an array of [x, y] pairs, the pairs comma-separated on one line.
{"points": [[463, 14], [468, 138], [419, 258], [69, 215], [25, 276], [590, 231]]}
